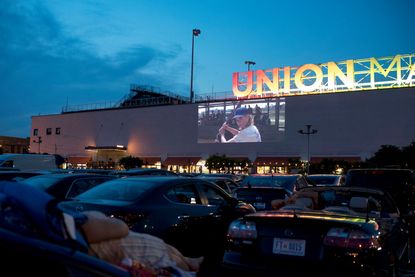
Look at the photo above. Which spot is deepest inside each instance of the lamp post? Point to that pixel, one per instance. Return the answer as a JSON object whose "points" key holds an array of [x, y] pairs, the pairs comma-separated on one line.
{"points": [[38, 141], [196, 32], [308, 132], [249, 63]]}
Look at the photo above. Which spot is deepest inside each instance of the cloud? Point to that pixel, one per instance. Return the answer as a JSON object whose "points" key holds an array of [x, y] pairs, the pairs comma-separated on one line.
{"points": [[41, 67]]}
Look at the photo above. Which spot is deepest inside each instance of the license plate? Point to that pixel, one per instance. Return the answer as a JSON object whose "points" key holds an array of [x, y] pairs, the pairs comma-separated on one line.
{"points": [[259, 205], [292, 247]]}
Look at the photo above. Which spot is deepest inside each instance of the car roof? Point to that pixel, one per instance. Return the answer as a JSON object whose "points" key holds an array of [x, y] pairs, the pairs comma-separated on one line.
{"points": [[72, 175], [343, 188], [141, 170]]}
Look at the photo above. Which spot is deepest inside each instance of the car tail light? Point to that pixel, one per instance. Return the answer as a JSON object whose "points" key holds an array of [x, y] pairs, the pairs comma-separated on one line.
{"points": [[240, 229], [350, 238]]}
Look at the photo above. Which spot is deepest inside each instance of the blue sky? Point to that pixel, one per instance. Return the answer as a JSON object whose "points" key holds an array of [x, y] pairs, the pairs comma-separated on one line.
{"points": [[54, 53]]}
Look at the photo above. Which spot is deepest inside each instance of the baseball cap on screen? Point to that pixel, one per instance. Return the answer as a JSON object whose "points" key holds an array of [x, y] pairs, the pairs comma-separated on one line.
{"points": [[242, 111]]}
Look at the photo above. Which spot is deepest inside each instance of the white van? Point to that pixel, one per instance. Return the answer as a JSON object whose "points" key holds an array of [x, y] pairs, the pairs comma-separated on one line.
{"points": [[28, 161]]}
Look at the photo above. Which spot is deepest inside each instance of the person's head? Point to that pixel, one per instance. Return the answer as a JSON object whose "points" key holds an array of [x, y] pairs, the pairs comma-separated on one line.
{"points": [[243, 117]]}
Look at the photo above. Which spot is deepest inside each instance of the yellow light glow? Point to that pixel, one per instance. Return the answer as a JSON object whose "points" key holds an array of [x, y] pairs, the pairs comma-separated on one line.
{"points": [[363, 74]]}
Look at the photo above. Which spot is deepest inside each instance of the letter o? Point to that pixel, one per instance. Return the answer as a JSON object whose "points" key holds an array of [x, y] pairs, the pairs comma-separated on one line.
{"points": [[317, 82]]}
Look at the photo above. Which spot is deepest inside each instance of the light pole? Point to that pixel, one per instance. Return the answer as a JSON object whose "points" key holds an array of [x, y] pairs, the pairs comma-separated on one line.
{"points": [[196, 32], [249, 63], [308, 132], [38, 141]]}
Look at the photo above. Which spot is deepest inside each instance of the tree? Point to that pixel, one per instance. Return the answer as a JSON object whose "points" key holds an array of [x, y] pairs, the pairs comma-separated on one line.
{"points": [[215, 162], [387, 155], [408, 155], [223, 163], [130, 162]]}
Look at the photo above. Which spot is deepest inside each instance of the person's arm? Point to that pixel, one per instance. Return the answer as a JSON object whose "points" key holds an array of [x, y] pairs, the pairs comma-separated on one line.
{"points": [[231, 130], [223, 139], [224, 128]]}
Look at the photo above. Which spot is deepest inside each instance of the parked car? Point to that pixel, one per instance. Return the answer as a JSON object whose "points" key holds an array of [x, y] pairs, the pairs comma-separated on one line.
{"points": [[190, 213], [30, 161], [260, 197], [351, 230], [291, 182], [143, 172], [327, 179], [400, 183], [237, 178], [18, 175], [260, 190], [225, 183], [63, 186]]}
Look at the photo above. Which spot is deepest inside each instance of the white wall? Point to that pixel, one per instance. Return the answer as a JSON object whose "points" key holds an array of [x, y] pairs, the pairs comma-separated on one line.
{"points": [[355, 123]]}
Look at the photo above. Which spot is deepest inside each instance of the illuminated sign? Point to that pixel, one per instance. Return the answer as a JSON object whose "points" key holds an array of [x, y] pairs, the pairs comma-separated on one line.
{"points": [[350, 75]]}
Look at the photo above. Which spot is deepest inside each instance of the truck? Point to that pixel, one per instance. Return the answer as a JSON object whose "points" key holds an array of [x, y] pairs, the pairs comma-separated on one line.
{"points": [[28, 162]]}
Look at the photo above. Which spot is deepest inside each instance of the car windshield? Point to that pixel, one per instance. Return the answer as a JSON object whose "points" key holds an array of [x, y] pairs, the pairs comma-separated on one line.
{"points": [[286, 182], [124, 190], [389, 180], [323, 180]]}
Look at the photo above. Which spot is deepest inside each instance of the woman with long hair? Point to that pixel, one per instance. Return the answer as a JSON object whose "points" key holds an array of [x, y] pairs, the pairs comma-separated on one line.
{"points": [[246, 132]]}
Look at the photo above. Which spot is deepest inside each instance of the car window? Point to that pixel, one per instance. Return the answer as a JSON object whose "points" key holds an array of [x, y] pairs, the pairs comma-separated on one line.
{"points": [[231, 185], [81, 185], [184, 194], [223, 185], [213, 196], [120, 189], [301, 183]]}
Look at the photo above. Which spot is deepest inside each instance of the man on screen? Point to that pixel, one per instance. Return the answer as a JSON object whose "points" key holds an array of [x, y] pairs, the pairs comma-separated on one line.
{"points": [[246, 132]]}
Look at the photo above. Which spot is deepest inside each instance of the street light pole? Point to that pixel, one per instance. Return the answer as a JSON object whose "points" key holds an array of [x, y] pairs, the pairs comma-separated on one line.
{"points": [[249, 63], [196, 32], [38, 141], [308, 132]]}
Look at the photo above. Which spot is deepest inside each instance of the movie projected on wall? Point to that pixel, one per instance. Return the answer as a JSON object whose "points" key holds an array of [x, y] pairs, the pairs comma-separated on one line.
{"points": [[254, 120]]}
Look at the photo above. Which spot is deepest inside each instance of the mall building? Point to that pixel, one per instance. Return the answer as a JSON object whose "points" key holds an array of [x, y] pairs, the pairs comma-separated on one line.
{"points": [[353, 108]]}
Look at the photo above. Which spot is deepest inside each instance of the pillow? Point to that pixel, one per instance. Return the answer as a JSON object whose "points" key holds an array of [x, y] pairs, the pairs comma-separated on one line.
{"points": [[100, 227]]}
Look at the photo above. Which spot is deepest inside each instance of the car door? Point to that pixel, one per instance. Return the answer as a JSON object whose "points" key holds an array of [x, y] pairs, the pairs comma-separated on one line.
{"points": [[219, 209], [188, 218]]}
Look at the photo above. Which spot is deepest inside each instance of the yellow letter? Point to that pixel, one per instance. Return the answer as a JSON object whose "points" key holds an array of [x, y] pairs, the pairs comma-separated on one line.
{"points": [[299, 75], [287, 80], [411, 74], [235, 85], [334, 71], [262, 78], [385, 73]]}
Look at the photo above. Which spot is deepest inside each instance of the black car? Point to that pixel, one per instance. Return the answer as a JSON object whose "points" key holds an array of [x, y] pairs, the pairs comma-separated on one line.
{"points": [[400, 183], [291, 182], [143, 172], [260, 190], [326, 179], [237, 178], [260, 197], [349, 230], [18, 175], [227, 184], [63, 186], [190, 213]]}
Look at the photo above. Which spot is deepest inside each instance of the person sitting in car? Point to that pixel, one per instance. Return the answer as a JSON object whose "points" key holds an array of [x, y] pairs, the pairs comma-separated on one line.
{"points": [[111, 240], [296, 198]]}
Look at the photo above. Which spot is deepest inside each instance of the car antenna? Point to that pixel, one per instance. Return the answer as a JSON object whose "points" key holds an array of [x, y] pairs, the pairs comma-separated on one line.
{"points": [[367, 210], [367, 204]]}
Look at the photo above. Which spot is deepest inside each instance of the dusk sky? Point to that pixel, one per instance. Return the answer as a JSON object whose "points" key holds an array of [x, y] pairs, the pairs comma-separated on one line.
{"points": [[54, 52]]}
